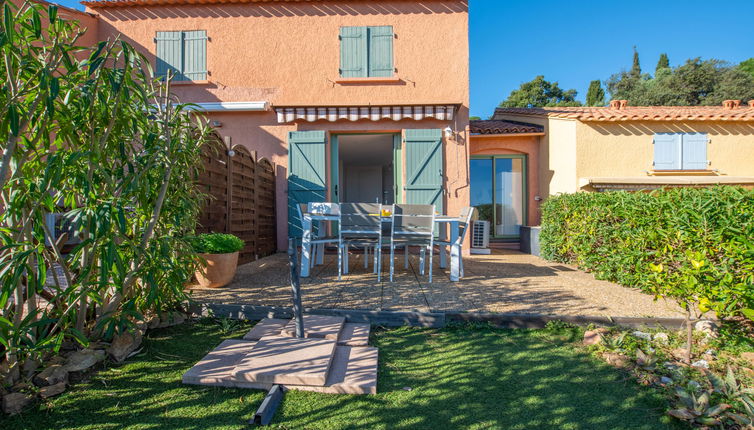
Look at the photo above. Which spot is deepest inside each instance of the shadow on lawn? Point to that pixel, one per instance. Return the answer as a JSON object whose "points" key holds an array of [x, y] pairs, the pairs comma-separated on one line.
{"points": [[483, 378], [460, 377]]}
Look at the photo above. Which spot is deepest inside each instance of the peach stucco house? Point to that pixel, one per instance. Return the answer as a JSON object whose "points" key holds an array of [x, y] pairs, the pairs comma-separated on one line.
{"points": [[351, 100], [571, 149], [358, 100]]}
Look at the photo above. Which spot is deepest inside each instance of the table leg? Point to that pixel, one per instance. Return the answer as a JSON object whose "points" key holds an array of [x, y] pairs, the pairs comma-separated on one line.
{"points": [[443, 253], [455, 253], [345, 260], [306, 225], [321, 254]]}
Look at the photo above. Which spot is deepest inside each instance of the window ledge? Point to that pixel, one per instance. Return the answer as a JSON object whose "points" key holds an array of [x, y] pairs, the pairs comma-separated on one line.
{"points": [[202, 82], [369, 81], [703, 172]]}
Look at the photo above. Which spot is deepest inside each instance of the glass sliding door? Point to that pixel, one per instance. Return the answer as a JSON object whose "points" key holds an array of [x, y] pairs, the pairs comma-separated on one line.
{"points": [[498, 191], [509, 204], [481, 188]]}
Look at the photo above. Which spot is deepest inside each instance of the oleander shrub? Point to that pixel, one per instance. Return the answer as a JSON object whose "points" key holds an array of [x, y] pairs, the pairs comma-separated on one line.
{"points": [[91, 135], [693, 244]]}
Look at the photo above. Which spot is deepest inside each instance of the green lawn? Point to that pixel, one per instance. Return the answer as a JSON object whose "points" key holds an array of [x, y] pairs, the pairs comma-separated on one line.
{"points": [[459, 377]]}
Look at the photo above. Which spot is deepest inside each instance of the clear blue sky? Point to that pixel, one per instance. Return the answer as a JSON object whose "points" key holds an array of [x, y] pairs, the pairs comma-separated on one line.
{"points": [[575, 41]]}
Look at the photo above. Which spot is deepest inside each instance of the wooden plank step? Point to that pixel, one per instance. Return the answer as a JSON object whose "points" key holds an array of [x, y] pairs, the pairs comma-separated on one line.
{"points": [[214, 369], [354, 371], [266, 327], [284, 360], [354, 334], [317, 326]]}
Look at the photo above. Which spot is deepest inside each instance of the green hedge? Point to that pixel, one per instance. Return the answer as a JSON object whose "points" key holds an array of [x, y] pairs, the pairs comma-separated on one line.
{"points": [[617, 235]]}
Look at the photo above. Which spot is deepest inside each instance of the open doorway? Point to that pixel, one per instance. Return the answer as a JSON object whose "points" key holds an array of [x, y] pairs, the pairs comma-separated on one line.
{"points": [[365, 168]]}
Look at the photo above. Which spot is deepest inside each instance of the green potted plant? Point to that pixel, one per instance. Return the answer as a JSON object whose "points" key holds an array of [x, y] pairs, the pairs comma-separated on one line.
{"points": [[220, 251]]}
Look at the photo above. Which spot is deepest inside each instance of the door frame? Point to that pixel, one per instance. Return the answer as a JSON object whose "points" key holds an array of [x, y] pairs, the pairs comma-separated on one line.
{"points": [[334, 177], [524, 191]]}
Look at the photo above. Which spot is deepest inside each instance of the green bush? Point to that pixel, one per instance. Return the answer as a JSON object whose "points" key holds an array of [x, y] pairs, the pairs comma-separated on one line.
{"points": [[216, 243], [696, 245]]}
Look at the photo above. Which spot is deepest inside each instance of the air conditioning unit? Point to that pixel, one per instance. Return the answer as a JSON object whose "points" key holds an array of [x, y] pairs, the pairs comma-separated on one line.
{"points": [[480, 237], [57, 225]]}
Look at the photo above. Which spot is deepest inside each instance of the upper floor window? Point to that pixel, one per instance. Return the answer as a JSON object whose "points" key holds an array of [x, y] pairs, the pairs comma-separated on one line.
{"points": [[680, 151], [184, 53], [366, 52]]}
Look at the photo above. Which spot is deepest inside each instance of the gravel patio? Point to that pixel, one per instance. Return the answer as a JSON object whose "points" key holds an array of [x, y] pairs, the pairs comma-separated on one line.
{"points": [[505, 282]]}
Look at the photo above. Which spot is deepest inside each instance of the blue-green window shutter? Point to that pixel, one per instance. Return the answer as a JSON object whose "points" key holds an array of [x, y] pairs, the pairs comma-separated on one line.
{"points": [[353, 52], [306, 173], [424, 167], [170, 54], [380, 51], [195, 55], [667, 151], [694, 150]]}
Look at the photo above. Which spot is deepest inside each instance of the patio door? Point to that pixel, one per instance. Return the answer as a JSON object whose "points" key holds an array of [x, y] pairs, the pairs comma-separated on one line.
{"points": [[424, 167], [365, 167], [306, 174], [498, 192]]}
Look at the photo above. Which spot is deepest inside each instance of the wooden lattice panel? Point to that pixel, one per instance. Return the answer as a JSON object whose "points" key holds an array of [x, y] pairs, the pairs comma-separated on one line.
{"points": [[265, 200], [213, 181], [241, 198], [243, 205]]}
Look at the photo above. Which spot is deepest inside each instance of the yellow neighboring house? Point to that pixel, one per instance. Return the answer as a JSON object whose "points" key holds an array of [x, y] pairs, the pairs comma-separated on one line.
{"points": [[570, 149], [621, 146]]}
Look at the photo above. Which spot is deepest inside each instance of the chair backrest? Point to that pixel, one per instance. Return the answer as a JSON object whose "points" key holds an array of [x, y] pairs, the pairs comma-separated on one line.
{"points": [[414, 220], [386, 227], [465, 221], [360, 218], [322, 208], [301, 208]]}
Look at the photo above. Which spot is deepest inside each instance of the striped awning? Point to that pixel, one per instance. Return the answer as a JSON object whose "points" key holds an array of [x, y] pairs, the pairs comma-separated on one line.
{"points": [[373, 113]]}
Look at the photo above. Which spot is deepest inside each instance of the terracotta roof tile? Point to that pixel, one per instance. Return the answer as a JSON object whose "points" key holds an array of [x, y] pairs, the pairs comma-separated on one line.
{"points": [[636, 113], [127, 3], [503, 127]]}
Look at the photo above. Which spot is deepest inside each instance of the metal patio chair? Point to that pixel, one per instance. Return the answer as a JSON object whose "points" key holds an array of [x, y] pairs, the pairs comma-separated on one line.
{"points": [[360, 225], [413, 225], [317, 242], [464, 225]]}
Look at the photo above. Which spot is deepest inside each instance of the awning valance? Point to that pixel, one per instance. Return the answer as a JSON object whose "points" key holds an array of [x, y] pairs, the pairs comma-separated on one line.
{"points": [[373, 113]]}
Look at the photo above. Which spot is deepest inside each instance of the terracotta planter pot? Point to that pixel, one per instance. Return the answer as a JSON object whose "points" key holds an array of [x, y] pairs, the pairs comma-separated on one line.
{"points": [[219, 271]]}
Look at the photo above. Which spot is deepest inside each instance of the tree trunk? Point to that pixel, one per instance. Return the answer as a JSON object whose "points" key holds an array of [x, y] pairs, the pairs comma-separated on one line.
{"points": [[689, 336]]}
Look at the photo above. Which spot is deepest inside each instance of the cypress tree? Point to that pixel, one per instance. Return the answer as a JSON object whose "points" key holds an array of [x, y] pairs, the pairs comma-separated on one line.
{"points": [[595, 96], [636, 68], [662, 63]]}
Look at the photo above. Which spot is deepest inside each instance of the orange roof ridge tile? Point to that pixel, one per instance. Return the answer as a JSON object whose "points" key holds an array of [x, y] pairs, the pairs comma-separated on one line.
{"points": [[503, 127], [128, 3], [637, 113]]}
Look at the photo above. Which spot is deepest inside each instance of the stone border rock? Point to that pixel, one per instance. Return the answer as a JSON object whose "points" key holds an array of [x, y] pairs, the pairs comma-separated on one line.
{"points": [[73, 364]]}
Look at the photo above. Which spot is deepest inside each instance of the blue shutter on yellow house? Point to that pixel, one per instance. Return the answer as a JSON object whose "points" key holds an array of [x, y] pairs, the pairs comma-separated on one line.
{"points": [[170, 54], [424, 167], [306, 173], [667, 151], [380, 51], [353, 52], [195, 55], [694, 151]]}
